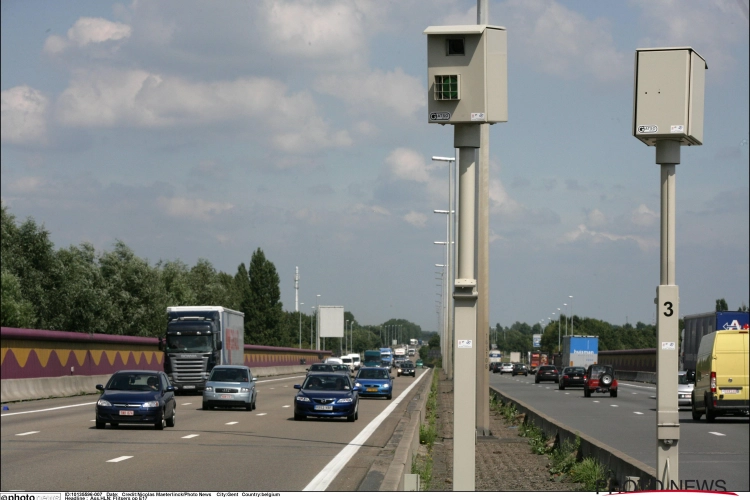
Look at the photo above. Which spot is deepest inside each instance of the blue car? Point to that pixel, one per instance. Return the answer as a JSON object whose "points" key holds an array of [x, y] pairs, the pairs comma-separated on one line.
{"points": [[374, 382], [136, 397], [327, 394]]}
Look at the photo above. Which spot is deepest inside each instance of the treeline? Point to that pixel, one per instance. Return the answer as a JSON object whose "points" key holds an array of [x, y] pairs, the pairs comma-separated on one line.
{"points": [[116, 292], [519, 336]]}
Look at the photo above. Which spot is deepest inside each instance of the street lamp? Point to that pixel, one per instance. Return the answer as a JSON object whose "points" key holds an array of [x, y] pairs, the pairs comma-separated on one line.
{"points": [[300, 324], [558, 330], [346, 327], [317, 333], [566, 319], [311, 327], [572, 328], [447, 343]]}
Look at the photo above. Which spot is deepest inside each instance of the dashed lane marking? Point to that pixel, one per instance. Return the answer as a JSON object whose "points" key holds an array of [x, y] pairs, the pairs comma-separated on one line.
{"points": [[286, 406], [190, 436], [28, 433], [717, 433], [614, 406], [638, 413], [185, 404], [231, 423], [261, 414], [120, 459]]}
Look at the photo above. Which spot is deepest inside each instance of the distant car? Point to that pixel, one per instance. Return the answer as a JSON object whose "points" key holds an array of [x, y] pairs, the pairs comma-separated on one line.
{"points": [[320, 367], [407, 368], [136, 397], [547, 373], [572, 376], [506, 368], [327, 395], [685, 385], [348, 361], [520, 369], [230, 386], [492, 366], [600, 379], [374, 382], [420, 363], [356, 360], [341, 368]]}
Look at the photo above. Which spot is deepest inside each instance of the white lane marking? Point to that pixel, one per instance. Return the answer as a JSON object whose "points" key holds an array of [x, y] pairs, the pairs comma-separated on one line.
{"points": [[567, 393], [190, 436], [332, 469], [613, 406], [27, 433], [185, 404], [633, 393], [717, 433], [596, 401], [286, 406], [638, 413], [231, 423], [47, 409], [279, 379], [261, 414], [272, 388], [92, 420], [646, 387], [119, 459]]}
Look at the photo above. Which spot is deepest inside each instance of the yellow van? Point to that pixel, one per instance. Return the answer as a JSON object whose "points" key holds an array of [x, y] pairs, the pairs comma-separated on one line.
{"points": [[721, 375]]}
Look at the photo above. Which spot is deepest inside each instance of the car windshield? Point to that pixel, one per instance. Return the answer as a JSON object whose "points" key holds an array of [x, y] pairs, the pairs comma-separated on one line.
{"points": [[189, 343], [373, 374], [134, 382], [341, 368], [598, 370], [229, 375], [575, 371], [326, 383], [407, 365], [321, 368]]}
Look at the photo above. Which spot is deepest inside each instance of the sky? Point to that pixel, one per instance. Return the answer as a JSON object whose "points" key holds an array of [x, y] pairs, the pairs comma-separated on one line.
{"points": [[195, 129]]}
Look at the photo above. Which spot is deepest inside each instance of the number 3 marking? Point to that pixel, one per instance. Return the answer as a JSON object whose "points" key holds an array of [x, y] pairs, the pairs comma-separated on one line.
{"points": [[669, 310]]}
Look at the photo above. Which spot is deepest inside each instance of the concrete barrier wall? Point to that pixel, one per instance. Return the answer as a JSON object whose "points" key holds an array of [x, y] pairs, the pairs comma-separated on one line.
{"points": [[407, 433], [36, 364], [620, 464]]}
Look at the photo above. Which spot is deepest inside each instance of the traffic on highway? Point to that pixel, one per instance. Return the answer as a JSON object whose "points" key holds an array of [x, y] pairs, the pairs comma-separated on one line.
{"points": [[709, 451], [224, 448]]}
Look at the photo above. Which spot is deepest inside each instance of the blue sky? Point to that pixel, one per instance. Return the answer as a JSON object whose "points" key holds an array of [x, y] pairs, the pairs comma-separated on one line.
{"points": [[194, 129]]}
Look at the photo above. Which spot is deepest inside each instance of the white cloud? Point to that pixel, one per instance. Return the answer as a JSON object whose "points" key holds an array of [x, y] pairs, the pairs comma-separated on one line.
{"points": [[562, 42], [23, 115], [583, 233], [27, 185], [192, 208], [416, 219], [409, 165], [596, 218], [644, 217], [501, 202], [86, 31], [392, 93], [109, 97]]}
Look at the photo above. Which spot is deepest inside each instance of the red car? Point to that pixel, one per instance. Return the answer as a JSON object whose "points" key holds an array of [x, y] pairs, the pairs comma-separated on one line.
{"points": [[599, 379]]}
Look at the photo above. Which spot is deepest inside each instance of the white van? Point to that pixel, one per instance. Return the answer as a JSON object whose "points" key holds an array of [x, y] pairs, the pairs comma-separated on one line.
{"points": [[333, 361], [346, 360], [356, 359]]}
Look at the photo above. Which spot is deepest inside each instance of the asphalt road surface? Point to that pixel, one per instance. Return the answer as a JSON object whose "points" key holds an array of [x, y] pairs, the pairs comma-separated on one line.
{"points": [[53, 445], [707, 451]]}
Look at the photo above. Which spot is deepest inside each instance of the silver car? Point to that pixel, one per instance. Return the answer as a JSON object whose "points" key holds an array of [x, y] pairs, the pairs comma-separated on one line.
{"points": [[684, 388], [230, 386]]}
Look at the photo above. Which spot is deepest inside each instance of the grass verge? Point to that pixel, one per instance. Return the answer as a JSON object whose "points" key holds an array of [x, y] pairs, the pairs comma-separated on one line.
{"points": [[563, 456], [422, 464]]}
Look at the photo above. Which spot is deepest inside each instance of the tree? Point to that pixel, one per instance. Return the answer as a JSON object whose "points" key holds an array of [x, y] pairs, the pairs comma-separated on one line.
{"points": [[262, 324], [15, 311], [175, 277], [721, 305]]}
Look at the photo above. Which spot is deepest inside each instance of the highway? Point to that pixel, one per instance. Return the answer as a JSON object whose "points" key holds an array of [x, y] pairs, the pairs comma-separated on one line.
{"points": [[715, 451], [53, 445]]}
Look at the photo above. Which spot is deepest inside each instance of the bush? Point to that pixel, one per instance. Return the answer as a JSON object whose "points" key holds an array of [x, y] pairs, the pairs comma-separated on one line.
{"points": [[590, 473]]}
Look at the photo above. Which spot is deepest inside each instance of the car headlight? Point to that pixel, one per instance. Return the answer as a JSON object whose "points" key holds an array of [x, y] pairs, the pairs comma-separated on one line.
{"points": [[304, 399], [244, 389], [150, 404], [386, 386], [345, 400], [357, 384], [103, 402], [208, 389], [399, 370]]}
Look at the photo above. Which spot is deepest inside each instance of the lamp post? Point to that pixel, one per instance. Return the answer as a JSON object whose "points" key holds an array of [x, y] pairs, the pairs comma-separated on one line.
{"points": [[300, 325], [346, 328], [311, 326], [566, 319], [317, 333], [559, 317], [572, 328]]}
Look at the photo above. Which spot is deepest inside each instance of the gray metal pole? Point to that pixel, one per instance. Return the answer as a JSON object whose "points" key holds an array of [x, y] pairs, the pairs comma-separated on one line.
{"points": [[483, 282], [467, 138], [667, 326]]}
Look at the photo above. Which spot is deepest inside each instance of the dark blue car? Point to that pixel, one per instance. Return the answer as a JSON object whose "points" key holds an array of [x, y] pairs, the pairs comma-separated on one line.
{"points": [[327, 394], [374, 382], [136, 397]]}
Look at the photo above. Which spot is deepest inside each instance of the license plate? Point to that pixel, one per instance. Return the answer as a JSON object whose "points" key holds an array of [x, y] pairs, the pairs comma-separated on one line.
{"points": [[372, 389], [188, 387], [576, 378], [730, 391], [127, 412], [226, 396], [323, 408]]}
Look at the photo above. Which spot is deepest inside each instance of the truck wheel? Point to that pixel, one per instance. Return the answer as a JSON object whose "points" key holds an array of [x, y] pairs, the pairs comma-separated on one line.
{"points": [[710, 415]]}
